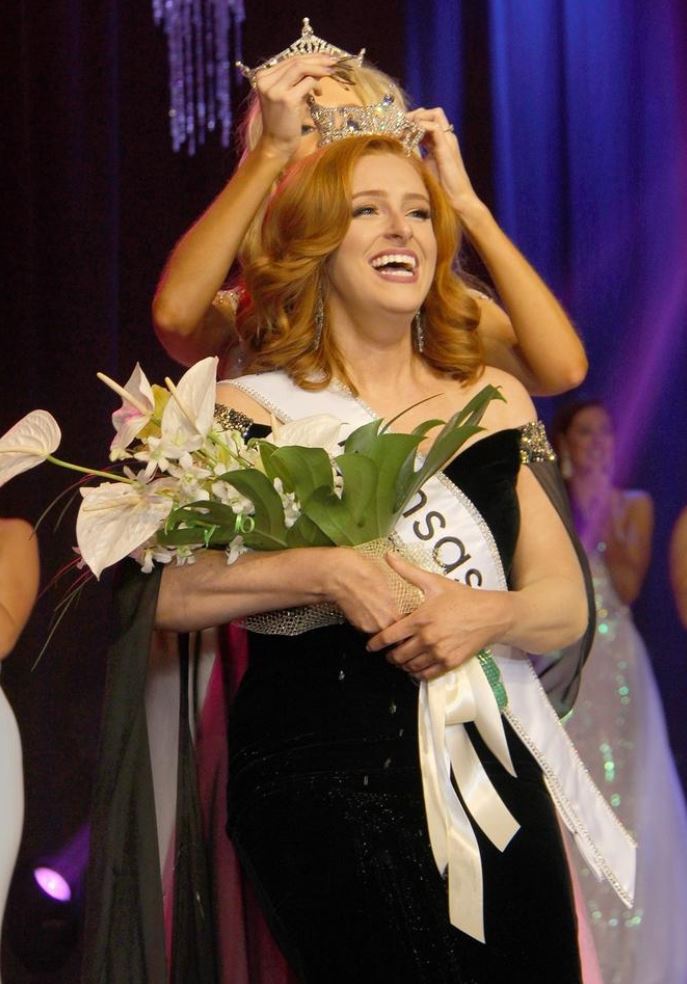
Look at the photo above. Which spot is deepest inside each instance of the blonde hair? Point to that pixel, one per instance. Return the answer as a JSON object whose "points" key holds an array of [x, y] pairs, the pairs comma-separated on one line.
{"points": [[306, 221], [369, 84]]}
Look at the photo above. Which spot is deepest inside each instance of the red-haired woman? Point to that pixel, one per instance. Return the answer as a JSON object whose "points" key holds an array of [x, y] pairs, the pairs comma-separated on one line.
{"points": [[355, 837], [530, 336]]}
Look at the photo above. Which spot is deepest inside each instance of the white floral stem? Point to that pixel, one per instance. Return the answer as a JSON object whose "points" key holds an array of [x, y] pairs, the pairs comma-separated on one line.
{"points": [[89, 471]]}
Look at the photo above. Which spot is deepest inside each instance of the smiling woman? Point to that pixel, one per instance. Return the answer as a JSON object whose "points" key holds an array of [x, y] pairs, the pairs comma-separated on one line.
{"points": [[369, 232], [304, 97], [342, 803]]}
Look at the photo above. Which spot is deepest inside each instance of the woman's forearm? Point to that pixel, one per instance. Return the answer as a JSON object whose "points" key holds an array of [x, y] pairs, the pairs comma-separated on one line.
{"points": [[547, 615], [212, 592], [200, 262], [546, 339], [627, 562]]}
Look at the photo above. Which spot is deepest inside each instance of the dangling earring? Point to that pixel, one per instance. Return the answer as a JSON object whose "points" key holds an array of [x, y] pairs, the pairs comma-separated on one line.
{"points": [[319, 320], [419, 326]]}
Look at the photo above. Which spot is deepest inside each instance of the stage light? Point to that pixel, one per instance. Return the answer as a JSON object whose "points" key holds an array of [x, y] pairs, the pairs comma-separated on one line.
{"points": [[53, 884], [43, 917]]}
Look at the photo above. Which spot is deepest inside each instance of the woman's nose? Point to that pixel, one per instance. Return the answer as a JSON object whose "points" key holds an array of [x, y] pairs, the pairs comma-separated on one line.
{"points": [[399, 227]]}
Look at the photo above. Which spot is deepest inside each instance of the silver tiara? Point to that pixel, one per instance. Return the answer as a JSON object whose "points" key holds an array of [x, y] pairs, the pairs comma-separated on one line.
{"points": [[307, 44], [382, 118]]}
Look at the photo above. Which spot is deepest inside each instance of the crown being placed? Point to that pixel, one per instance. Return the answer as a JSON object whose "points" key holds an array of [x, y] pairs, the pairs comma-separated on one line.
{"points": [[382, 118], [307, 44]]}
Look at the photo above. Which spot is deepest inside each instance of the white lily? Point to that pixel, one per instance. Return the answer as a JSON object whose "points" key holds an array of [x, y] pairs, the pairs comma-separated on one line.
{"points": [[30, 442], [188, 416], [138, 405], [115, 519], [320, 431]]}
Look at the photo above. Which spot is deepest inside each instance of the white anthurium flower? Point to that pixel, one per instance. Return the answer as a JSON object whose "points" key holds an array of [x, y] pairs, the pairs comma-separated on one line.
{"points": [[28, 443], [320, 431], [115, 519], [138, 405], [188, 416]]}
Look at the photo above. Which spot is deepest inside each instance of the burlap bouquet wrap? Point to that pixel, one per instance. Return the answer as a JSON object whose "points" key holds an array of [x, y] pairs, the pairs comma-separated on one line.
{"points": [[295, 621]]}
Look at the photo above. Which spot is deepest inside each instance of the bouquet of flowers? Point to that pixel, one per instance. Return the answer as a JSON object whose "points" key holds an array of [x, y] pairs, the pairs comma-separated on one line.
{"points": [[184, 480]]}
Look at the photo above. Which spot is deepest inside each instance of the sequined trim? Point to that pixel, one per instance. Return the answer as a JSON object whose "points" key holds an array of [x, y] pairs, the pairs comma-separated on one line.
{"points": [[230, 419], [534, 444], [264, 401]]}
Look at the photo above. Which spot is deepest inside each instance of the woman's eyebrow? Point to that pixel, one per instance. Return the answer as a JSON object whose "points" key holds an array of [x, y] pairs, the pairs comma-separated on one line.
{"points": [[381, 193]]}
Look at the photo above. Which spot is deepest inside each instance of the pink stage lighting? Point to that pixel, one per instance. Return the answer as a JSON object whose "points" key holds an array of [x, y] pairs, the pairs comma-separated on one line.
{"points": [[53, 884]]}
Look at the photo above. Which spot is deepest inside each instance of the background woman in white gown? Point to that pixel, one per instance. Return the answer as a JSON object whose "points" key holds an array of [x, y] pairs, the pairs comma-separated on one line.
{"points": [[18, 587], [617, 723]]}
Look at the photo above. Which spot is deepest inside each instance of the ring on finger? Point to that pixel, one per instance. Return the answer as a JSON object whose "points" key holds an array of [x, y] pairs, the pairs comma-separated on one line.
{"points": [[449, 128]]}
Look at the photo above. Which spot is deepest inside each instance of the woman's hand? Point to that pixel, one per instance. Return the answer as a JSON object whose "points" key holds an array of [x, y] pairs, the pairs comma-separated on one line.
{"points": [[445, 159], [360, 586], [452, 624], [283, 91]]}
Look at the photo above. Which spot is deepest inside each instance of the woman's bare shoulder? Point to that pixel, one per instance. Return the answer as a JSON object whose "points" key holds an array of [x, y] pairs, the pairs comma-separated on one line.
{"points": [[515, 409], [231, 396]]}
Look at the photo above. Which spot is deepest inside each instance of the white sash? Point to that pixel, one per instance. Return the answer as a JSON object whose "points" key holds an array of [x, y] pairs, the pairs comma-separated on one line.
{"points": [[439, 513]]}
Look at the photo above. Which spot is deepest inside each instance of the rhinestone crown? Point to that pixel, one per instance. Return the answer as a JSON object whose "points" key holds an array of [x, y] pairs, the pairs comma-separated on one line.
{"points": [[383, 118], [307, 44]]}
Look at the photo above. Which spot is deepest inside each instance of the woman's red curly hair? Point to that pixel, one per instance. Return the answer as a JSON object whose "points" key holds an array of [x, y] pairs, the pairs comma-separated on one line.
{"points": [[306, 221]]}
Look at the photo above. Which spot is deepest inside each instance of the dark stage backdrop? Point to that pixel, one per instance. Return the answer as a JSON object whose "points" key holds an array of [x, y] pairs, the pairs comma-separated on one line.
{"points": [[94, 198]]}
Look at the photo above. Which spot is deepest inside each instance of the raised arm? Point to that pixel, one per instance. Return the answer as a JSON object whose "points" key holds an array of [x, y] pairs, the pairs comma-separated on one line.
{"points": [[533, 338], [187, 320], [627, 537], [19, 574]]}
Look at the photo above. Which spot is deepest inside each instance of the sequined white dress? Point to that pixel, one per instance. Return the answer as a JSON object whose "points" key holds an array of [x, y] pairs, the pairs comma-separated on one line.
{"points": [[619, 729]]}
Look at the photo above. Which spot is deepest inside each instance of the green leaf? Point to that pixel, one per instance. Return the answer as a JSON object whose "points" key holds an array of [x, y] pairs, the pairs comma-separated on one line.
{"points": [[259, 540], [305, 533], [302, 470], [392, 454], [333, 516], [201, 513], [362, 438], [412, 406], [456, 431], [209, 523], [269, 512], [360, 480], [266, 450]]}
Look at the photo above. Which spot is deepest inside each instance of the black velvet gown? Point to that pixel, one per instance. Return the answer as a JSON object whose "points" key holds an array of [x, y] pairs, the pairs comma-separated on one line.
{"points": [[326, 807]]}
